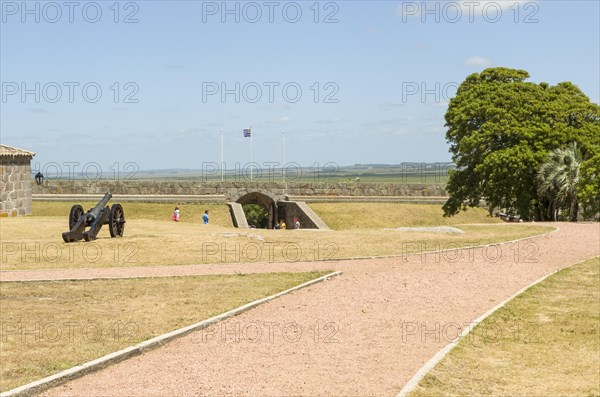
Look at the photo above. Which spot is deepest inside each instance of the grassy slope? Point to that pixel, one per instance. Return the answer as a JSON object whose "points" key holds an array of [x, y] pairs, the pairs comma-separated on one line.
{"points": [[190, 213], [340, 216]]}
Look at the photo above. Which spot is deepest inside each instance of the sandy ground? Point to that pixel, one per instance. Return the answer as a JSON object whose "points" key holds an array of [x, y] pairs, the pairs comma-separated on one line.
{"points": [[362, 334]]}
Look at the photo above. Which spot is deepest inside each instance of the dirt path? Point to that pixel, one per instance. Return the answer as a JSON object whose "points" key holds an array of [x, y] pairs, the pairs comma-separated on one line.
{"points": [[364, 333]]}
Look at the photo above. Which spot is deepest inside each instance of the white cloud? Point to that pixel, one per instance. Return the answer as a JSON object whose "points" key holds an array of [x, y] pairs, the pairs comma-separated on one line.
{"points": [[172, 66], [39, 110], [477, 60], [391, 105], [457, 10], [391, 127], [441, 104], [334, 120], [503, 4], [277, 107], [186, 131], [433, 129]]}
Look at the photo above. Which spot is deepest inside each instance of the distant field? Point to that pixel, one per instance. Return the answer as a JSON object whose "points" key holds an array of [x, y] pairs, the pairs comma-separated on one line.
{"points": [[430, 173], [392, 177]]}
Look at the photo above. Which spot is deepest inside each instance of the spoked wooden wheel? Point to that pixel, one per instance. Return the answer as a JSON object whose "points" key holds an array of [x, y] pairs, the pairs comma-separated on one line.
{"points": [[116, 221], [74, 215]]}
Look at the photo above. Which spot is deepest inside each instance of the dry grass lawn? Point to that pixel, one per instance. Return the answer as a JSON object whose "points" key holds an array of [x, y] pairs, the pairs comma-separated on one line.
{"points": [[546, 342], [47, 327], [36, 243]]}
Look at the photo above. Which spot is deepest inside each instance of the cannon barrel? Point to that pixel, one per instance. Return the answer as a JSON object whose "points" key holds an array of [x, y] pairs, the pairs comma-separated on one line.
{"points": [[94, 212]]}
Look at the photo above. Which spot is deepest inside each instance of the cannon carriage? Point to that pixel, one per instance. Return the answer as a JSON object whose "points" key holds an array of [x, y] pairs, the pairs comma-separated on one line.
{"points": [[93, 220]]}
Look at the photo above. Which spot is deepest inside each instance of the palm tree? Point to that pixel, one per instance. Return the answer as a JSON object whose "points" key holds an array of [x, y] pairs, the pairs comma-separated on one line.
{"points": [[558, 177]]}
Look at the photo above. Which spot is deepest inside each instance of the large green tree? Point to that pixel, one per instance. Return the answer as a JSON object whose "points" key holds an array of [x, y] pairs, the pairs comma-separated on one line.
{"points": [[501, 129]]}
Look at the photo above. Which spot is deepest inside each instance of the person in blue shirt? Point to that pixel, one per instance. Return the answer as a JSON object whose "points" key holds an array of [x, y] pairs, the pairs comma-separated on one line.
{"points": [[205, 217]]}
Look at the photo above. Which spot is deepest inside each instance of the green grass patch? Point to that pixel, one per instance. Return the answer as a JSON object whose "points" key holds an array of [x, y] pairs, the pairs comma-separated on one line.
{"points": [[339, 216], [545, 342], [47, 327]]}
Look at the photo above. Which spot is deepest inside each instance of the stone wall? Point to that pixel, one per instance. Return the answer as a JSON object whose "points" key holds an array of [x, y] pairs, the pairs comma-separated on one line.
{"points": [[233, 190], [15, 186]]}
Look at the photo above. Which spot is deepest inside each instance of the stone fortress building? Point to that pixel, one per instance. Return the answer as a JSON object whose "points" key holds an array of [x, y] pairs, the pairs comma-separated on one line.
{"points": [[15, 181]]}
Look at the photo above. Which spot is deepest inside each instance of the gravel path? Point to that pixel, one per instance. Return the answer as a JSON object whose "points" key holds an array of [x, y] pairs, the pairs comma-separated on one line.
{"points": [[362, 334]]}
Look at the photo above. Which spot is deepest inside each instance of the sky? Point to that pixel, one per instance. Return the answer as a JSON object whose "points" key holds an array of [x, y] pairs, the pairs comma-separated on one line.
{"points": [[151, 84]]}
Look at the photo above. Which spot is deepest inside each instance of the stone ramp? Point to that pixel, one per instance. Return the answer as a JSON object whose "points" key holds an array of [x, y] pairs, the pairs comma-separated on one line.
{"points": [[238, 216], [306, 215]]}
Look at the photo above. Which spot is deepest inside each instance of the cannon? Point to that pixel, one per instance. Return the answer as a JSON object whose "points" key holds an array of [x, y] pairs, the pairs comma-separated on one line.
{"points": [[94, 219], [508, 218]]}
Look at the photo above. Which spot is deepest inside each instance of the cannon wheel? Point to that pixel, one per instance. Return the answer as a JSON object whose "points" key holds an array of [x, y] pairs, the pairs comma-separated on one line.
{"points": [[74, 215], [116, 221]]}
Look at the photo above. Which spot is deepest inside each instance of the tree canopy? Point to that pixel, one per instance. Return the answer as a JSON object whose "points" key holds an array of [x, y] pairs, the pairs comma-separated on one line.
{"points": [[501, 129]]}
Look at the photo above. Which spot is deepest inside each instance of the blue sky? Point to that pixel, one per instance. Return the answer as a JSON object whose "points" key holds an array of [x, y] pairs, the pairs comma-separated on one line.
{"points": [[370, 64]]}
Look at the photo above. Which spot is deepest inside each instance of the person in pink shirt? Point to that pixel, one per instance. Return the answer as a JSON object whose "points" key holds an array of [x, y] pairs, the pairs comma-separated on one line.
{"points": [[175, 215]]}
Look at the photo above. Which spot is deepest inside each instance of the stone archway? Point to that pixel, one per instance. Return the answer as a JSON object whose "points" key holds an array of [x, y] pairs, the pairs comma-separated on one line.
{"points": [[266, 202]]}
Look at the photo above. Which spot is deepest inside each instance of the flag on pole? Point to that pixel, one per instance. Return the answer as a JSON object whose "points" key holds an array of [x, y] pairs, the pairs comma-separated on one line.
{"points": [[247, 132]]}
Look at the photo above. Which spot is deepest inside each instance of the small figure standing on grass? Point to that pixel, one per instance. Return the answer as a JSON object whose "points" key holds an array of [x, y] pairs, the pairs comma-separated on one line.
{"points": [[175, 215], [280, 225], [296, 223], [205, 217]]}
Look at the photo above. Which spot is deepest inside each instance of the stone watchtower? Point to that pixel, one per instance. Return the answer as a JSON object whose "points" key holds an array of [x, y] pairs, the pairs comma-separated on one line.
{"points": [[15, 181]]}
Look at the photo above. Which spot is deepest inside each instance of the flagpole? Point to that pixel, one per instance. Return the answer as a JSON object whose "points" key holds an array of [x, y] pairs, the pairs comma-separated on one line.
{"points": [[222, 170], [251, 165], [283, 154]]}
